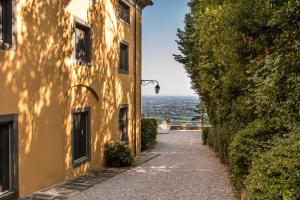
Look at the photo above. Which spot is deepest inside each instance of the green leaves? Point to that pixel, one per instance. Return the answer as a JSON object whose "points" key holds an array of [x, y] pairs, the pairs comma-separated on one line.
{"points": [[244, 62], [149, 133]]}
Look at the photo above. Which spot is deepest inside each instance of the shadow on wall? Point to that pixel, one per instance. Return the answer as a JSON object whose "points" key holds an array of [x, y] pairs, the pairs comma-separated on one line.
{"points": [[39, 77]]}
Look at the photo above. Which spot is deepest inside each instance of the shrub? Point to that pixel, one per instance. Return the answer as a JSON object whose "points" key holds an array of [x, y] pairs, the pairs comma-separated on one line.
{"points": [[119, 155], [276, 175], [205, 133], [219, 138], [149, 133], [246, 145]]}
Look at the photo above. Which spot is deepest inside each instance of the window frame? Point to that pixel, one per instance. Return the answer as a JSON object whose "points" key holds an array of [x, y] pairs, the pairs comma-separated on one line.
{"points": [[8, 40], [124, 106], [87, 157], [12, 121], [84, 26], [126, 69], [128, 8]]}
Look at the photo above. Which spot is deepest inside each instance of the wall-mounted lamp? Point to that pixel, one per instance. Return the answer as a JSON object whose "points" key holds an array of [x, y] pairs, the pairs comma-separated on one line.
{"points": [[147, 82]]}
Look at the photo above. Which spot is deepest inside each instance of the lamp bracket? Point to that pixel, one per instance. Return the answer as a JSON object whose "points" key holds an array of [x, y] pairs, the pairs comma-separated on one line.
{"points": [[147, 82]]}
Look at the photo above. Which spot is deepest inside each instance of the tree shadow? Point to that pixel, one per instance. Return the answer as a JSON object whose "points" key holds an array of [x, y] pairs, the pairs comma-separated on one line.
{"points": [[38, 79]]}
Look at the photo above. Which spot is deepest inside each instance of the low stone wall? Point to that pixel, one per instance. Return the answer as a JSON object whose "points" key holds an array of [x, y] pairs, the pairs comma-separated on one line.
{"points": [[176, 128]]}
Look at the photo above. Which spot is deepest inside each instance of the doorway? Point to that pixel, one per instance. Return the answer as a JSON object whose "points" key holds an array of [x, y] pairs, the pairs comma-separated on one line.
{"points": [[8, 157]]}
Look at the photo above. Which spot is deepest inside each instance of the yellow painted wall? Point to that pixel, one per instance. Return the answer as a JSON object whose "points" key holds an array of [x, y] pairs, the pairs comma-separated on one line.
{"points": [[36, 81]]}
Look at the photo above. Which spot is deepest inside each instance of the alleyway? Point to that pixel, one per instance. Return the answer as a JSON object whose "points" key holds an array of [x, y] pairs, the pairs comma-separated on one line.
{"points": [[185, 170]]}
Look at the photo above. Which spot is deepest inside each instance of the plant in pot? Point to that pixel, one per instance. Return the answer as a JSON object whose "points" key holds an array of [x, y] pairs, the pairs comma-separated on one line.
{"points": [[118, 154]]}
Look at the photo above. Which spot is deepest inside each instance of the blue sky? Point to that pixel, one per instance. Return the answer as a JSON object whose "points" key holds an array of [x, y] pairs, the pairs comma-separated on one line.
{"points": [[160, 23]]}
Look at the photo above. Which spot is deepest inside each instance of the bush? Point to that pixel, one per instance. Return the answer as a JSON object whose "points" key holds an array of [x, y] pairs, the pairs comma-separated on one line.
{"points": [[219, 138], [119, 155], [276, 175], [205, 133], [246, 145], [149, 133]]}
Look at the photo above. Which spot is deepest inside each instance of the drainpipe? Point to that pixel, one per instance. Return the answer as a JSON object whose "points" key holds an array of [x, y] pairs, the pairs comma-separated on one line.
{"points": [[135, 78]]}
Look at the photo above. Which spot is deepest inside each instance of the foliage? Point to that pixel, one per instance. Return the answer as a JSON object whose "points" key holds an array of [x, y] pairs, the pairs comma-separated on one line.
{"points": [[244, 62], [276, 175], [149, 133], [202, 116], [119, 155], [248, 144], [205, 133]]}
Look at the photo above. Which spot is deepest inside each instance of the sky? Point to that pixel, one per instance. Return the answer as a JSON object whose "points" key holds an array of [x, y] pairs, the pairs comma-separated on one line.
{"points": [[160, 23]]}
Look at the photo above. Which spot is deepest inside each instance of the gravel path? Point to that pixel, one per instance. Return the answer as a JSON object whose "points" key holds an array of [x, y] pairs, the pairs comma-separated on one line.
{"points": [[185, 170]]}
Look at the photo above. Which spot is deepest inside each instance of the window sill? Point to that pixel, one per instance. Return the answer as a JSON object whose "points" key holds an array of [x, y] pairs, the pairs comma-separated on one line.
{"points": [[125, 22], [82, 63], [5, 46], [81, 161], [126, 142], [123, 72], [8, 196]]}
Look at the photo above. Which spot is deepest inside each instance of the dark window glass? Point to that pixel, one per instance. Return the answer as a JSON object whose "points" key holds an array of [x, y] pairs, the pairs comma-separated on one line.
{"points": [[124, 12], [82, 43], [6, 21], [1, 19], [81, 136], [123, 57], [123, 123], [4, 158]]}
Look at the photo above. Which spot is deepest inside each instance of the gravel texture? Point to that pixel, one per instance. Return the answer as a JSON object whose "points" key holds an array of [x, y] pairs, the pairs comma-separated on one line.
{"points": [[185, 170]]}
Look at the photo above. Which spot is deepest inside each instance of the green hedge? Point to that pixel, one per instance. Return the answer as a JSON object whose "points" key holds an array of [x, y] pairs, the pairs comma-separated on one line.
{"points": [[205, 133], [149, 133], [276, 174], [219, 138], [247, 145]]}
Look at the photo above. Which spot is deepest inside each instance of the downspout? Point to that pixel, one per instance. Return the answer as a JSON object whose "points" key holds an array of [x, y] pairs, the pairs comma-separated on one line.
{"points": [[135, 78]]}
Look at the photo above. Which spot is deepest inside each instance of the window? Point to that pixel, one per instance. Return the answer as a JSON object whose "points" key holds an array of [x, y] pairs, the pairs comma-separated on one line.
{"points": [[81, 136], [123, 123], [8, 156], [82, 43], [124, 11], [1, 20], [6, 23], [123, 58], [4, 161]]}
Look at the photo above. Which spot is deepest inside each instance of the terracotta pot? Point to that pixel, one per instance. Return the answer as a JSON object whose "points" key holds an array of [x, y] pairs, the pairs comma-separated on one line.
{"points": [[114, 163]]}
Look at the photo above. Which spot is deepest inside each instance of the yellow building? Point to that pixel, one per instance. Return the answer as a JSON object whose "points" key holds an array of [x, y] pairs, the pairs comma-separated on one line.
{"points": [[70, 74]]}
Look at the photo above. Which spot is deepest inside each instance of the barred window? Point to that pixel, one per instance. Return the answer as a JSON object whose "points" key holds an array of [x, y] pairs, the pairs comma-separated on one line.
{"points": [[124, 12]]}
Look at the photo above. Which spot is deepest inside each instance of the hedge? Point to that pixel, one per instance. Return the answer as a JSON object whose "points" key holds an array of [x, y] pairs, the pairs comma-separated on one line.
{"points": [[205, 133], [247, 144], [276, 174], [149, 133]]}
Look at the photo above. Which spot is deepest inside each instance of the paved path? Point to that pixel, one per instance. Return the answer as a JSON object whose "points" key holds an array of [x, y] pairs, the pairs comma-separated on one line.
{"points": [[185, 170]]}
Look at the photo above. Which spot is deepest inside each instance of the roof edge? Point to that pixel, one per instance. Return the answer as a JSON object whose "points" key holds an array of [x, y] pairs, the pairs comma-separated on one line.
{"points": [[145, 3]]}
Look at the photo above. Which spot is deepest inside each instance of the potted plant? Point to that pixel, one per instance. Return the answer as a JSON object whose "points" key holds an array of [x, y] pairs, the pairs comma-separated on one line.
{"points": [[118, 154]]}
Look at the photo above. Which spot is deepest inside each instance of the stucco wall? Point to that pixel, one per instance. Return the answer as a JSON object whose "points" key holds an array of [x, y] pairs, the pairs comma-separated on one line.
{"points": [[37, 79]]}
